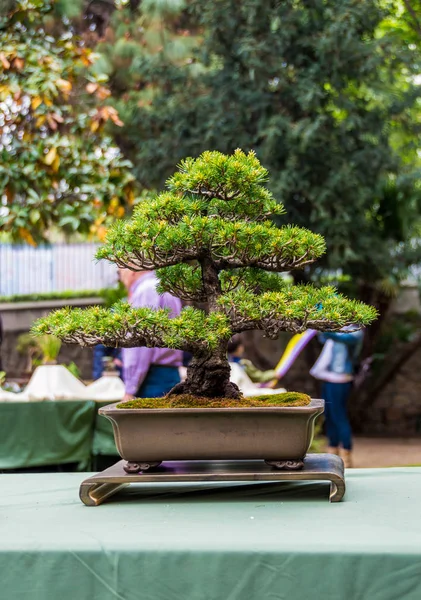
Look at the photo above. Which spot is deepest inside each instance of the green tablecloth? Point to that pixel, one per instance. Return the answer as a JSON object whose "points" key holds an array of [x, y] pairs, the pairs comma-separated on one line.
{"points": [[214, 541], [34, 434], [103, 441]]}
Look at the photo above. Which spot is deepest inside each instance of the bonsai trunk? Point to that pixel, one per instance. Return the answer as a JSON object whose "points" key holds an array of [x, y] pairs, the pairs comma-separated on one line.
{"points": [[208, 377]]}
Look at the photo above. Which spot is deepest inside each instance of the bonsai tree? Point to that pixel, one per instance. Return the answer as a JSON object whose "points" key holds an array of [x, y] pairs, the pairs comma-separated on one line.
{"points": [[211, 239]]}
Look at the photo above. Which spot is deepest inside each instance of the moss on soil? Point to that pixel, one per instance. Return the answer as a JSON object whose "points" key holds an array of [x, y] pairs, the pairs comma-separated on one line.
{"points": [[186, 401]]}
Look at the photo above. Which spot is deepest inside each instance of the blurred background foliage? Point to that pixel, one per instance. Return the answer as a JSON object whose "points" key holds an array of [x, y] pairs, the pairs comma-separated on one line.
{"points": [[57, 165], [326, 92]]}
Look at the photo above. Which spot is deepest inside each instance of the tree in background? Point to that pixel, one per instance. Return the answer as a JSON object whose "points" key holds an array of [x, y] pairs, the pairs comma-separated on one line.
{"points": [[149, 54], [322, 91], [57, 167]]}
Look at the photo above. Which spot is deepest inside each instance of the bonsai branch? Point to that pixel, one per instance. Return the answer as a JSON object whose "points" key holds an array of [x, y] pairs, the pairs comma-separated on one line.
{"points": [[136, 261], [218, 193], [270, 263], [272, 326], [129, 339]]}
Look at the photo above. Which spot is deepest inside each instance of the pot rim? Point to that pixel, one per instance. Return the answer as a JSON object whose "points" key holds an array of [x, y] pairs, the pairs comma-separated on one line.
{"points": [[314, 406]]}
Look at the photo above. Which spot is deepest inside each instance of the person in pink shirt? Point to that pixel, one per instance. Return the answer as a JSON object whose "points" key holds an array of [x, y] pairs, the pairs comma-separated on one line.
{"points": [[149, 372]]}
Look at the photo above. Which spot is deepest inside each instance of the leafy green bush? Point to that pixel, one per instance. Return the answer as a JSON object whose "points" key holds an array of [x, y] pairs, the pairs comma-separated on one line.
{"points": [[109, 295], [65, 295], [50, 347]]}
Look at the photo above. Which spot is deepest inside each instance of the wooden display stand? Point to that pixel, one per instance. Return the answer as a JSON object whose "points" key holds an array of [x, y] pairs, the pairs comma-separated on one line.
{"points": [[317, 467]]}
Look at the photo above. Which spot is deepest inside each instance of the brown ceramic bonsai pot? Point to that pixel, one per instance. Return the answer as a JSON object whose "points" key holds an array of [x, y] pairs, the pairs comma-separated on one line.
{"points": [[279, 435]]}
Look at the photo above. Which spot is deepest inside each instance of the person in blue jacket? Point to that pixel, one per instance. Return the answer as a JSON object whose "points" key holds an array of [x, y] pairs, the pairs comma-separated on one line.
{"points": [[335, 367]]}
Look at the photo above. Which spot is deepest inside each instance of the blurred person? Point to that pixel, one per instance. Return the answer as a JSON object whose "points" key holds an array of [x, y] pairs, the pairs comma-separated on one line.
{"points": [[1, 340], [101, 352], [335, 367], [149, 372], [236, 355]]}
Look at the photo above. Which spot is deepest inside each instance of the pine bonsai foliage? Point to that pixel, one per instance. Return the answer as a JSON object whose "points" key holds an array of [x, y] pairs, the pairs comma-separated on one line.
{"points": [[211, 240]]}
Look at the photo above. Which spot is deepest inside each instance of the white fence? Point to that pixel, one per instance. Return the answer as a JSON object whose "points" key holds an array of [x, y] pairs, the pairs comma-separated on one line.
{"points": [[55, 268]]}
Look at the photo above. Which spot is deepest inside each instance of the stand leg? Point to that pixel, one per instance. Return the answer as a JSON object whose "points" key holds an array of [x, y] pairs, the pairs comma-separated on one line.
{"points": [[136, 467], [337, 490], [94, 494], [286, 465]]}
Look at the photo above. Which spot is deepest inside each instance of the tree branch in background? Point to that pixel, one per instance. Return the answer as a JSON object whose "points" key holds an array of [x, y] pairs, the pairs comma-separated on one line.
{"points": [[415, 21]]}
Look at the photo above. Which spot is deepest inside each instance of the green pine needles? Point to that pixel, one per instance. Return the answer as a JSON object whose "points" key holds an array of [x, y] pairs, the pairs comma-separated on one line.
{"points": [[211, 240]]}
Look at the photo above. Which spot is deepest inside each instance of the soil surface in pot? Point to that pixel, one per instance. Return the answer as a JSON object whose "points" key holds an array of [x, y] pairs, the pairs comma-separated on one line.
{"points": [[186, 401]]}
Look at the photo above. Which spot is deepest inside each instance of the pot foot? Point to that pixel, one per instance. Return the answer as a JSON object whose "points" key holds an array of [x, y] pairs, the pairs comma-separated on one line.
{"points": [[286, 465], [136, 467]]}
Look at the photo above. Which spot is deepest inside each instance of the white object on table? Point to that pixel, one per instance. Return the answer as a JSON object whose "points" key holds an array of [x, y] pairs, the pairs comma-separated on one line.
{"points": [[55, 382], [246, 385], [106, 388]]}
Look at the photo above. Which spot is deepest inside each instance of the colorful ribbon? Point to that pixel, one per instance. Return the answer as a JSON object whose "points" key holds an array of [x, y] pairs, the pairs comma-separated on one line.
{"points": [[295, 346]]}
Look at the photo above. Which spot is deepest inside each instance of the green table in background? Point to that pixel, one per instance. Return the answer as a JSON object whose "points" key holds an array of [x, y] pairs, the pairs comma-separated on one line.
{"points": [[103, 441], [212, 541], [36, 434]]}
